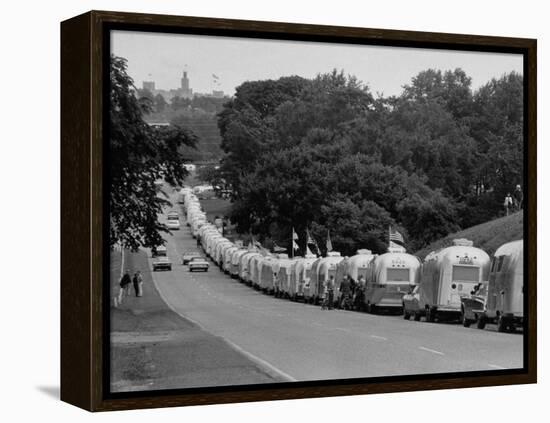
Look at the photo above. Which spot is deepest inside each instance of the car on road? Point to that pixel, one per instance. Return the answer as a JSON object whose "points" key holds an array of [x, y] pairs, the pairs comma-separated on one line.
{"points": [[159, 251], [173, 215], [162, 263], [173, 224], [198, 263], [173, 220], [189, 255]]}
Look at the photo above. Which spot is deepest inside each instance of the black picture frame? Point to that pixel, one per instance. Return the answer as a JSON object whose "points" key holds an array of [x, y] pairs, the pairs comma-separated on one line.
{"points": [[84, 170]]}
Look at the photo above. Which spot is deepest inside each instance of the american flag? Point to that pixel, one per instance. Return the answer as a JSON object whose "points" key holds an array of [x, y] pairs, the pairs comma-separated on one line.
{"points": [[311, 241], [396, 236]]}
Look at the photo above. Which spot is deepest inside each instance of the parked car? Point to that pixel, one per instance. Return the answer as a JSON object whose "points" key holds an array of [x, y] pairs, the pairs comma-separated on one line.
{"points": [[198, 263], [186, 257], [162, 263], [473, 305], [173, 224], [159, 251], [173, 215], [411, 304]]}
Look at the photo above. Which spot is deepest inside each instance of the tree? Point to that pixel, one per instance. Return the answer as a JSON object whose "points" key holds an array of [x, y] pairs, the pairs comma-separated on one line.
{"points": [[160, 103], [140, 155]]}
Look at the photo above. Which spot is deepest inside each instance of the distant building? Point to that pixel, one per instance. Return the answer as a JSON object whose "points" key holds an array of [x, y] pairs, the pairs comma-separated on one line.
{"points": [[184, 91]]}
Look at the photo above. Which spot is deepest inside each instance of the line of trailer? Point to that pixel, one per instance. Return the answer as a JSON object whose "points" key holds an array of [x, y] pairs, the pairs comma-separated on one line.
{"points": [[459, 282]]}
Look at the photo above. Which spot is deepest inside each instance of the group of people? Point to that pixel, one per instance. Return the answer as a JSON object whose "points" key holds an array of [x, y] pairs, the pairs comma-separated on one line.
{"points": [[513, 202], [352, 293], [126, 280]]}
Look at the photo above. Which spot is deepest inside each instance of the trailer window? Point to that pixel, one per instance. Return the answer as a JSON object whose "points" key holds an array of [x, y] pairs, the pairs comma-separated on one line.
{"points": [[397, 275], [466, 273], [500, 262]]}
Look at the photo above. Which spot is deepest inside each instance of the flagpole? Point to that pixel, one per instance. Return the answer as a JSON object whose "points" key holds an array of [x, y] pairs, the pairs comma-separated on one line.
{"points": [[292, 243]]}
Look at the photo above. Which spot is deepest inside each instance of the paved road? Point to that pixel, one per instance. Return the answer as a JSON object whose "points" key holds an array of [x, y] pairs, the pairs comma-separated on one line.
{"points": [[303, 342], [153, 348]]}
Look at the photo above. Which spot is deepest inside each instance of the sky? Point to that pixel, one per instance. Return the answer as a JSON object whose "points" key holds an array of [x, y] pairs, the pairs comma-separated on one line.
{"points": [[163, 58]]}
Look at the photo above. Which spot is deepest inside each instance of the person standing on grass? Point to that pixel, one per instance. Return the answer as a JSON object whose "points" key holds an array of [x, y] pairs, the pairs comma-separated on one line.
{"points": [[518, 198], [508, 203], [125, 282], [138, 284]]}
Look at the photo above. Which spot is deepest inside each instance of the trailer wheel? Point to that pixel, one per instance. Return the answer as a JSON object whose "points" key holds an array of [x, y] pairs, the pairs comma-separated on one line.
{"points": [[465, 321], [481, 322], [416, 316], [430, 314], [502, 324], [406, 314]]}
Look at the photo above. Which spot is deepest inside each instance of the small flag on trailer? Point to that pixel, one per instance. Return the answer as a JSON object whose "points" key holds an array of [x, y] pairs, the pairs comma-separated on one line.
{"points": [[329, 242], [311, 241], [396, 236]]}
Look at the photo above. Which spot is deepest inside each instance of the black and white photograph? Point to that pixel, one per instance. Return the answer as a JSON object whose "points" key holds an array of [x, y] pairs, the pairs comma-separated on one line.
{"points": [[288, 211]]}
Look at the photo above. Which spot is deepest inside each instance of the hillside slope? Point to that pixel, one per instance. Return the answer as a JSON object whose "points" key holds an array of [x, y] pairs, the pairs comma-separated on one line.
{"points": [[487, 236]]}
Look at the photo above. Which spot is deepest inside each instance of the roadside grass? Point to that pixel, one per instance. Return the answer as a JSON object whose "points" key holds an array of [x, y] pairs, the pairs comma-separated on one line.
{"points": [[116, 259], [215, 207], [488, 236]]}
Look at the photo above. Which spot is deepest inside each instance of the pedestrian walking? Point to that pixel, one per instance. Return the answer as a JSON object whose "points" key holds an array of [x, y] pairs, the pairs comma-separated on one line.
{"points": [[125, 282], [138, 284], [198, 241], [330, 289], [359, 293], [324, 303], [345, 290], [508, 203]]}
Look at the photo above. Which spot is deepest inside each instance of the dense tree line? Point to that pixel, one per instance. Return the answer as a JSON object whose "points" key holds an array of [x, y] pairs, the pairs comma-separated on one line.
{"points": [[325, 154], [140, 156]]}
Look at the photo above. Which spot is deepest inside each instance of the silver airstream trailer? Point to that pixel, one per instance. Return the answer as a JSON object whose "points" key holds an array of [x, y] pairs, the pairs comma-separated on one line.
{"points": [[284, 270], [235, 262], [360, 264], [392, 275], [448, 275], [302, 276], [321, 270], [505, 288], [220, 250], [254, 266], [227, 254], [244, 266], [266, 274]]}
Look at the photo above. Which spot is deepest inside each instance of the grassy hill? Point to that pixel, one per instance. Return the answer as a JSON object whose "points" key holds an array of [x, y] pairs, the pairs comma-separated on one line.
{"points": [[487, 236]]}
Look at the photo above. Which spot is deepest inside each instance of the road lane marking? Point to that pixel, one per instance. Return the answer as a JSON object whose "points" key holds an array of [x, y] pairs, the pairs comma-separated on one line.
{"points": [[266, 366], [496, 366], [379, 337], [342, 329], [430, 350]]}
